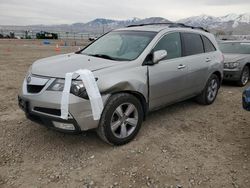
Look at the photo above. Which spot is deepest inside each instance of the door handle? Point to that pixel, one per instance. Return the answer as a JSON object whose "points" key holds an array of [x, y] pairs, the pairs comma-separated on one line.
{"points": [[181, 66], [208, 59]]}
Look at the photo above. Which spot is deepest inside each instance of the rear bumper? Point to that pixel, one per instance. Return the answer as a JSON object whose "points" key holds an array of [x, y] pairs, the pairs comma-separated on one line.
{"points": [[231, 75]]}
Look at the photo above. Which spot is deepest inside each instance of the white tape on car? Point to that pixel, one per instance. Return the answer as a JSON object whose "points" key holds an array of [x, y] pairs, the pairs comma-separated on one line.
{"points": [[65, 96], [93, 92]]}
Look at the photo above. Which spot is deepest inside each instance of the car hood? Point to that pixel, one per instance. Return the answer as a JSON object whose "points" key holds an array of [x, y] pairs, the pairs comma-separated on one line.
{"points": [[58, 66], [235, 57]]}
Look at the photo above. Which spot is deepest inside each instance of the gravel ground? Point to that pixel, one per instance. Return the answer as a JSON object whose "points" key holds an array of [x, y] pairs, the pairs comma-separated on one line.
{"points": [[183, 145]]}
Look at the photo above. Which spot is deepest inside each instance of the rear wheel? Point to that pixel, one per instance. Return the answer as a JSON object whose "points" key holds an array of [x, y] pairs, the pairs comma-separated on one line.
{"points": [[244, 76], [121, 119], [210, 92]]}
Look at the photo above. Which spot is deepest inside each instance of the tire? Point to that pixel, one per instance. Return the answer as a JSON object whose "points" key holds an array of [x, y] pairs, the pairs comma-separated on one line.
{"points": [[244, 77], [121, 119], [210, 92]]}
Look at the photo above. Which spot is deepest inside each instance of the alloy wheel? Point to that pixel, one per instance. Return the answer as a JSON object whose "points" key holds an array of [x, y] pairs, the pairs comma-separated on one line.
{"points": [[245, 76], [212, 90], [124, 120]]}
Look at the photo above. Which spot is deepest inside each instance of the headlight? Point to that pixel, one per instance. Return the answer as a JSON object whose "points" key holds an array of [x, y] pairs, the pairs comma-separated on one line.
{"points": [[231, 65], [77, 88], [57, 85]]}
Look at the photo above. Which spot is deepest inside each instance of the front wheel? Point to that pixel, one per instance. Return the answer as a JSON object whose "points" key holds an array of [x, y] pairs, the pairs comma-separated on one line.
{"points": [[244, 77], [121, 119], [210, 92]]}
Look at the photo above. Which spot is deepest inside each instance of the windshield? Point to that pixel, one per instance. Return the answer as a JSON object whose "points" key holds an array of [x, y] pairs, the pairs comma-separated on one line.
{"points": [[120, 45], [235, 47]]}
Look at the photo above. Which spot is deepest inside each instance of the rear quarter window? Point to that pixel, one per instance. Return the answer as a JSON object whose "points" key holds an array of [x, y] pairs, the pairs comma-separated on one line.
{"points": [[208, 45], [192, 44]]}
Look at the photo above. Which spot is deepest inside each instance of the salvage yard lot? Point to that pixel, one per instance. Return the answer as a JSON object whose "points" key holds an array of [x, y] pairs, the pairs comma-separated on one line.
{"points": [[185, 145]]}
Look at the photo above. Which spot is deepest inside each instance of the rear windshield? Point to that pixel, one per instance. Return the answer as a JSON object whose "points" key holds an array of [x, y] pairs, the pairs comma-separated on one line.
{"points": [[120, 45], [235, 47]]}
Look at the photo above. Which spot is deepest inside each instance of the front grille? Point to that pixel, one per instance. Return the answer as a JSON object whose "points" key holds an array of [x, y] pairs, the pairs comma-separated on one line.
{"points": [[51, 111], [34, 88]]}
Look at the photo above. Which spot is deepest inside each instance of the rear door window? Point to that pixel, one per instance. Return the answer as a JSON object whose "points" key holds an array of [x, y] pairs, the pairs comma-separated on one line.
{"points": [[208, 45], [192, 44]]}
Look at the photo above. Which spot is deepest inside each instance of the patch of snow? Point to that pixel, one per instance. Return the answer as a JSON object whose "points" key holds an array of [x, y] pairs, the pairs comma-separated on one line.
{"points": [[229, 17], [245, 18], [235, 24]]}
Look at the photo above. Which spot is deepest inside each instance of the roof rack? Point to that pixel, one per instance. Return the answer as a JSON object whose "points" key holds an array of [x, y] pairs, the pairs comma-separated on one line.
{"points": [[171, 25], [163, 23]]}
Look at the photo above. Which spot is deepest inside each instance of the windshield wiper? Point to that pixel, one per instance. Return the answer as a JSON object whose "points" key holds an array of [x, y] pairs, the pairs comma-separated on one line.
{"points": [[103, 56]]}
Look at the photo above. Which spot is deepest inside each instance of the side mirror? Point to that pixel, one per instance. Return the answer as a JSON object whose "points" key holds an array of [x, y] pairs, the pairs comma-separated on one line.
{"points": [[159, 55], [246, 99]]}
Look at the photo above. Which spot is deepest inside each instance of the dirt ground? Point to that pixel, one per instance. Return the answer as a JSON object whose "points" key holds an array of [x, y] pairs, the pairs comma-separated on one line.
{"points": [[183, 145]]}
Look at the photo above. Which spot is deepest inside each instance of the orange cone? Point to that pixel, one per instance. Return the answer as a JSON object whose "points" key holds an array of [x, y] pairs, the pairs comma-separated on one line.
{"points": [[57, 49]]}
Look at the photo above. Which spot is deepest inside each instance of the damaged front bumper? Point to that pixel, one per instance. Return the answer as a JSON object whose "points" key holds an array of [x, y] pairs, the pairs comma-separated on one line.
{"points": [[48, 117], [43, 106]]}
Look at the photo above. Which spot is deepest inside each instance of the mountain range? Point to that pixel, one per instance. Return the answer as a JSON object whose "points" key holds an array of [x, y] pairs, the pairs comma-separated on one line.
{"points": [[231, 23], [228, 24]]}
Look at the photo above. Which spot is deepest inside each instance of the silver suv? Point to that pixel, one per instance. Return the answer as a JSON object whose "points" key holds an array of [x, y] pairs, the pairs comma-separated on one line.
{"points": [[237, 61], [138, 69]]}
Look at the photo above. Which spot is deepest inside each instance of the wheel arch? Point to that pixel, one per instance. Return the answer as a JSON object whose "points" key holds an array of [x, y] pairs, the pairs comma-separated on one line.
{"points": [[218, 74], [248, 65], [139, 96]]}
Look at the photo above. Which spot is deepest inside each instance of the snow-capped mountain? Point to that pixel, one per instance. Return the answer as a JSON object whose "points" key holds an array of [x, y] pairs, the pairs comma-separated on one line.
{"points": [[108, 22], [100, 24], [202, 20], [118, 23], [243, 18], [229, 21], [95, 26], [229, 17]]}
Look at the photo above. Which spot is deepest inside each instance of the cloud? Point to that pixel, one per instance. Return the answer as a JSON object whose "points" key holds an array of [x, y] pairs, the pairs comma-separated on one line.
{"points": [[25, 12]]}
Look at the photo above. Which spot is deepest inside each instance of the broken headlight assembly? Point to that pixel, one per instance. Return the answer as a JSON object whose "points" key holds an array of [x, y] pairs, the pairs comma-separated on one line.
{"points": [[77, 88]]}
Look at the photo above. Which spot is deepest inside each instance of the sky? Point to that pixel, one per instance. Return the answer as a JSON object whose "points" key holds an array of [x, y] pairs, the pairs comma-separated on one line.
{"points": [[29, 12]]}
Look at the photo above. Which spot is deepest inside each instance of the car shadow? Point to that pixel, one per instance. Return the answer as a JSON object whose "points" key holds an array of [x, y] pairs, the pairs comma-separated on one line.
{"points": [[229, 83]]}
